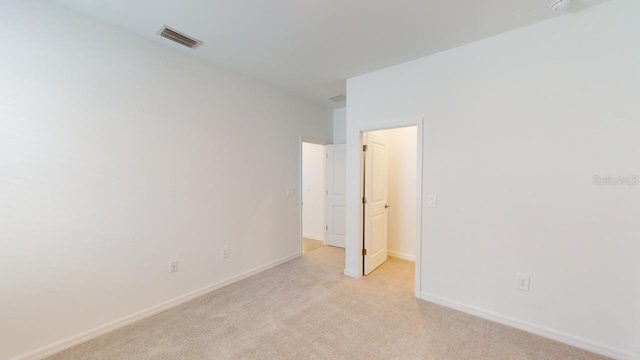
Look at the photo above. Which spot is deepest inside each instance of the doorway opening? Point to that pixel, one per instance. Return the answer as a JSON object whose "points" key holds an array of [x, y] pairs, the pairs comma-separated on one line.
{"points": [[390, 200], [313, 193]]}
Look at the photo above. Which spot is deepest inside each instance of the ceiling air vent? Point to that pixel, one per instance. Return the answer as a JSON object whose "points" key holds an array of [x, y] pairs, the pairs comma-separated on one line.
{"points": [[338, 98], [182, 39]]}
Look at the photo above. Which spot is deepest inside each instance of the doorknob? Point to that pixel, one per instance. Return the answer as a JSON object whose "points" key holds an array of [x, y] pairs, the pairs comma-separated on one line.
{"points": [[386, 206]]}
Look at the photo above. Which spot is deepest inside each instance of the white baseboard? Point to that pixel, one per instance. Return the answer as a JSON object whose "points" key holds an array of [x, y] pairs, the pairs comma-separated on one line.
{"points": [[313, 237], [552, 334], [400, 255], [124, 321], [351, 274]]}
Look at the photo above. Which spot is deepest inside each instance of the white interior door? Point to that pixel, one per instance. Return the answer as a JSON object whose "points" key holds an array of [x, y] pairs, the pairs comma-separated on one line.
{"points": [[336, 195], [375, 207]]}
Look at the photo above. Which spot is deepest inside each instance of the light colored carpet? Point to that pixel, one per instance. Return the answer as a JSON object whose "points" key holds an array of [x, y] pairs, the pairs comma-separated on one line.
{"points": [[306, 309], [308, 245]]}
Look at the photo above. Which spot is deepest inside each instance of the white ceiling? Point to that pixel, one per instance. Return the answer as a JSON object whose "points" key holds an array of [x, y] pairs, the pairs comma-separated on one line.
{"points": [[310, 47]]}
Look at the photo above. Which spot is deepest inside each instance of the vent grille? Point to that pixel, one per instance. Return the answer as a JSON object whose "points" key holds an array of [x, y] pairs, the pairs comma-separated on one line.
{"points": [[182, 39], [338, 98]]}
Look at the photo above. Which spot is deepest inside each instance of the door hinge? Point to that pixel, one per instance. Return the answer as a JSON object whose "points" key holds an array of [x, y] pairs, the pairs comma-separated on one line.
{"points": [[326, 156], [326, 228], [364, 147], [364, 252], [326, 192], [364, 200]]}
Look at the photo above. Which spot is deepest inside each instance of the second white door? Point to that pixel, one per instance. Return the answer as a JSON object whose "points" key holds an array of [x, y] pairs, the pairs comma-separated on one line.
{"points": [[375, 199], [336, 195]]}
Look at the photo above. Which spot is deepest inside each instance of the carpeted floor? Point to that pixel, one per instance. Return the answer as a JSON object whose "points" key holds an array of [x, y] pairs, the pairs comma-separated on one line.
{"points": [[306, 309], [308, 245]]}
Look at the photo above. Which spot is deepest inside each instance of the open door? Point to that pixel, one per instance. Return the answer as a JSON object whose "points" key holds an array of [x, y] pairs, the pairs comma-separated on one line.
{"points": [[375, 202], [336, 195]]}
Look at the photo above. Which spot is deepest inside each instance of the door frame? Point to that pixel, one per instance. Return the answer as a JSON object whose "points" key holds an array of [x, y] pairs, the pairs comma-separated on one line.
{"points": [[324, 171], [419, 124]]}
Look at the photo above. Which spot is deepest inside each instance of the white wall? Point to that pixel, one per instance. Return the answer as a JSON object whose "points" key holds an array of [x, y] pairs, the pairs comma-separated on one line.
{"points": [[340, 126], [313, 191], [401, 215], [118, 156], [515, 128]]}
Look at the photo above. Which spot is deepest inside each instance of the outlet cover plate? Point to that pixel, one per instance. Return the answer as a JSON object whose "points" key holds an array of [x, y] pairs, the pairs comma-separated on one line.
{"points": [[523, 282], [173, 266]]}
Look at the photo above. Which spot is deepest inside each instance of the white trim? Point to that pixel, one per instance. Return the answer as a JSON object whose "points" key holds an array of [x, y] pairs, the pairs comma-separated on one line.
{"points": [[552, 334], [351, 274], [85, 336], [419, 201], [401, 256]]}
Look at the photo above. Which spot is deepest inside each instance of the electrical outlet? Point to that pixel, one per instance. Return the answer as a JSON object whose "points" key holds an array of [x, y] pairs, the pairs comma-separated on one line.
{"points": [[173, 266], [523, 282], [226, 252]]}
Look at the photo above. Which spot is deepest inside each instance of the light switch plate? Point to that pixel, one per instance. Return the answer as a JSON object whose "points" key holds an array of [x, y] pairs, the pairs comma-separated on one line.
{"points": [[291, 192], [432, 200], [173, 266]]}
